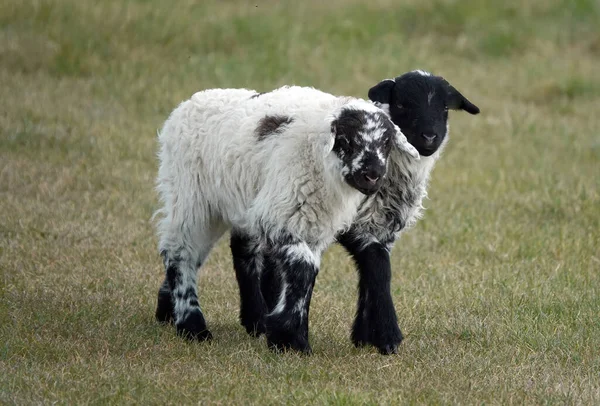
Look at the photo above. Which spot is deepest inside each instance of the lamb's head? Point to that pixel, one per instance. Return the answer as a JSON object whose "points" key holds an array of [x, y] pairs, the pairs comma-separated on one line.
{"points": [[418, 103], [364, 136]]}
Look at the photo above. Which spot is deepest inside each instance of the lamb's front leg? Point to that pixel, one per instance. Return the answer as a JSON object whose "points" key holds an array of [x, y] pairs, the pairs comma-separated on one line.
{"points": [[295, 266], [375, 322], [247, 261]]}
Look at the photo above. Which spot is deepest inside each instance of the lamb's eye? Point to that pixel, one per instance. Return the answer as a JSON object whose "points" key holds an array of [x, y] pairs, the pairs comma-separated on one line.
{"points": [[345, 142], [400, 106]]}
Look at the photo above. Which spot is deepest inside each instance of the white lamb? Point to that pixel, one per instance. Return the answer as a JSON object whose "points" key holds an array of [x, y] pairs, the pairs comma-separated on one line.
{"points": [[287, 169]]}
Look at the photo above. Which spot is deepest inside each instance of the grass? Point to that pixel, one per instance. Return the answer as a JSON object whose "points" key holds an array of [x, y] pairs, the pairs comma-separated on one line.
{"points": [[497, 288]]}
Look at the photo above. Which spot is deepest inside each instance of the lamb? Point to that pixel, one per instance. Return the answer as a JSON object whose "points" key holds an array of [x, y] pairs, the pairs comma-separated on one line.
{"points": [[418, 103], [285, 170]]}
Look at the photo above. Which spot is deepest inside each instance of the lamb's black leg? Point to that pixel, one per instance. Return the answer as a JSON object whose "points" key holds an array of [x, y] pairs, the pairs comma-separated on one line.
{"points": [[165, 307], [247, 261], [270, 282], [293, 268], [375, 322]]}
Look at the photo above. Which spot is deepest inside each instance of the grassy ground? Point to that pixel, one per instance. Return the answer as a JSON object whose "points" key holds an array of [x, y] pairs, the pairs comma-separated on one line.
{"points": [[497, 289]]}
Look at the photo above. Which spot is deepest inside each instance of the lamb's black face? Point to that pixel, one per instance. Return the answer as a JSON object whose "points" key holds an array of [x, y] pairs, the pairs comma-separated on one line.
{"points": [[363, 141], [418, 104]]}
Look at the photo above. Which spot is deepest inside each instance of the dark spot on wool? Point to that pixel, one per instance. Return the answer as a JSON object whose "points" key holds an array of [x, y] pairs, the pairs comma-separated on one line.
{"points": [[269, 125]]}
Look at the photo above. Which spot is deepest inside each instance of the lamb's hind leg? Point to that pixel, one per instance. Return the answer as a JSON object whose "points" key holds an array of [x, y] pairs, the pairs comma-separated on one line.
{"points": [[247, 261], [165, 306], [180, 286]]}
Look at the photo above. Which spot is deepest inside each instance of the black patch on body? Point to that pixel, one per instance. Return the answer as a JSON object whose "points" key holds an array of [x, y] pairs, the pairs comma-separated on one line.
{"points": [[269, 125], [254, 96]]}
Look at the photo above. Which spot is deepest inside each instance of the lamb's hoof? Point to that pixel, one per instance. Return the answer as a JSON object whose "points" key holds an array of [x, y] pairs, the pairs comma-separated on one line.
{"points": [[360, 336], [388, 349], [385, 340], [164, 308], [193, 327], [255, 329], [253, 323], [282, 341]]}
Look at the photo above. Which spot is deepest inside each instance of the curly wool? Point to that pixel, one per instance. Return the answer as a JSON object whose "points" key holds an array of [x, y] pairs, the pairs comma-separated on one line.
{"points": [[212, 166]]}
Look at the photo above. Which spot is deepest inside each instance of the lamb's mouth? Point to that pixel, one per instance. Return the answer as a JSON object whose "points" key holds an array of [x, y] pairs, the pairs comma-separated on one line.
{"points": [[427, 151], [366, 191]]}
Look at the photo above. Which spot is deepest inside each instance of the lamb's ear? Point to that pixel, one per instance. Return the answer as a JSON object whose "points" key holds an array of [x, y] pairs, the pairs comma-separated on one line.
{"points": [[403, 145], [382, 91], [456, 101], [328, 142]]}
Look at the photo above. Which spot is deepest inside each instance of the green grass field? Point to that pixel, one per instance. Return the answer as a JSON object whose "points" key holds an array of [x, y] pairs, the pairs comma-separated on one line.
{"points": [[497, 289]]}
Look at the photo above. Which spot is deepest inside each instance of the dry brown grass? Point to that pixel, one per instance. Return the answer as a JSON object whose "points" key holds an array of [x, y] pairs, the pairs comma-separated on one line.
{"points": [[497, 289]]}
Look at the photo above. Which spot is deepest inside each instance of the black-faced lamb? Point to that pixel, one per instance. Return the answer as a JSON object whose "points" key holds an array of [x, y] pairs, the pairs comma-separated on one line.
{"points": [[287, 170], [418, 103]]}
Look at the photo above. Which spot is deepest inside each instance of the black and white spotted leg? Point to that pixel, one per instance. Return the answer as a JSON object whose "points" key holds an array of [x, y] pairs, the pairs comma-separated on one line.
{"points": [[375, 322], [248, 262], [183, 254], [181, 276], [292, 267]]}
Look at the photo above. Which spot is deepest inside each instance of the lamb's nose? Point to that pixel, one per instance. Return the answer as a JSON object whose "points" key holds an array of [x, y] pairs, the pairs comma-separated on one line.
{"points": [[429, 138], [371, 178]]}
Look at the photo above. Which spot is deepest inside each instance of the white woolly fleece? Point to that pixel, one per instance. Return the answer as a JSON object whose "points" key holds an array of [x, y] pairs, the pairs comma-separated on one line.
{"points": [[214, 174]]}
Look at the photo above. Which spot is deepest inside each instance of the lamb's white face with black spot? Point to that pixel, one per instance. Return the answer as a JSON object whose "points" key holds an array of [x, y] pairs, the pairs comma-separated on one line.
{"points": [[363, 141]]}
